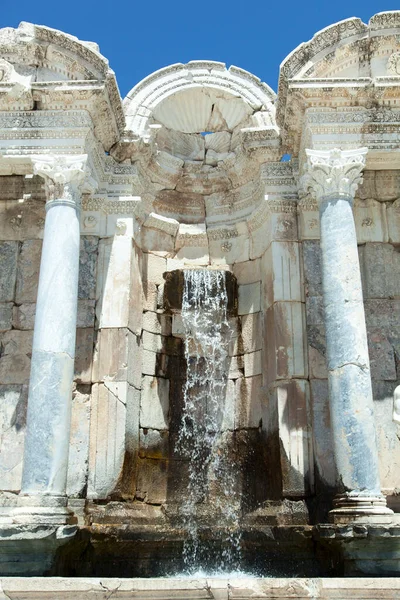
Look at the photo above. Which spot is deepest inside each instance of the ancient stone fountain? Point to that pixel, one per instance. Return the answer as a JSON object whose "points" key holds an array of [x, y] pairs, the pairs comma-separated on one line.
{"points": [[199, 331]]}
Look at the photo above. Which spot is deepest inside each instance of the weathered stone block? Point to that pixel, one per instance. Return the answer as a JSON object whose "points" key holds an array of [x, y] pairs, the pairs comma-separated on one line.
{"points": [[370, 221], [113, 291], [157, 323], [388, 436], [86, 313], [111, 355], [285, 341], [21, 221], [13, 404], [312, 268], [393, 219], [15, 368], [153, 443], [317, 352], [248, 402], [315, 310], [154, 404], [6, 315], [154, 267], [152, 485], [28, 271], [154, 363], [249, 298], [236, 367], [150, 296], [83, 355], [380, 270], [79, 443], [24, 316], [249, 336], [296, 451], [136, 292], [308, 221], [252, 364], [8, 270], [281, 273], [87, 267], [248, 271], [323, 455], [381, 355], [107, 437], [16, 342]]}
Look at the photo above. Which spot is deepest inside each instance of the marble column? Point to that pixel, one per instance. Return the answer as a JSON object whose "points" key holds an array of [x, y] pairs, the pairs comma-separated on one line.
{"points": [[43, 492], [334, 176]]}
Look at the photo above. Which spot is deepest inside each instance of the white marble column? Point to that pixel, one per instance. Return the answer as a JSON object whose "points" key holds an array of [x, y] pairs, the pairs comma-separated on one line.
{"points": [[42, 496], [334, 176]]}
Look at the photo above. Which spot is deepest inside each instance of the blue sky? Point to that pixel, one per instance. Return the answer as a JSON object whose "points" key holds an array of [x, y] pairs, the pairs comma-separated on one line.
{"points": [[139, 37]]}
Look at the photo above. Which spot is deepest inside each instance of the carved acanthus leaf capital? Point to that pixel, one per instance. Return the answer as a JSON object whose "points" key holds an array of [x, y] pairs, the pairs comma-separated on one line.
{"points": [[333, 172], [66, 177]]}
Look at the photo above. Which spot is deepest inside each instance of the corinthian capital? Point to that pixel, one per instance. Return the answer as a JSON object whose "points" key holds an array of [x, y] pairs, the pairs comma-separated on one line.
{"points": [[334, 172], [63, 175]]}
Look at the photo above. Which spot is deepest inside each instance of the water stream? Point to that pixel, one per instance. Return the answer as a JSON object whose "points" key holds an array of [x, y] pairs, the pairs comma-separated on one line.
{"points": [[206, 431]]}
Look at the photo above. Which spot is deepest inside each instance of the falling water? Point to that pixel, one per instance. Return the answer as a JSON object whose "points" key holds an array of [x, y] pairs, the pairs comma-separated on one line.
{"points": [[212, 500]]}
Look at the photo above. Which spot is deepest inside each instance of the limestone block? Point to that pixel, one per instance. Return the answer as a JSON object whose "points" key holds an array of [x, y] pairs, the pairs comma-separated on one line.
{"points": [[222, 411], [152, 485], [154, 363], [94, 223], [278, 225], [317, 352], [86, 313], [16, 342], [387, 433], [111, 355], [154, 404], [28, 271], [248, 271], [136, 292], [323, 455], [6, 315], [236, 367], [156, 240], [380, 270], [296, 451], [115, 262], [13, 405], [87, 267], [107, 437], [371, 221], [248, 402], [83, 355], [150, 296], [8, 270], [280, 267], [178, 328], [79, 443], [382, 313], [230, 250], [249, 337], [157, 323], [308, 221], [153, 443], [381, 355], [134, 376], [23, 316], [315, 310], [15, 368], [190, 255], [152, 341], [21, 220], [312, 268], [285, 341], [252, 364], [393, 219], [249, 298]]}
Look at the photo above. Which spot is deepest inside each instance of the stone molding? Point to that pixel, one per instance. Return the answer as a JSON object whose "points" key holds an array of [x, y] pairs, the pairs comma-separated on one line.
{"points": [[334, 172], [64, 177]]}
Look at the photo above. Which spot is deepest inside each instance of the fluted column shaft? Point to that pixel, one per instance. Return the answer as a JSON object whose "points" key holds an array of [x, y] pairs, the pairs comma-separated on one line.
{"points": [[52, 366], [334, 176]]}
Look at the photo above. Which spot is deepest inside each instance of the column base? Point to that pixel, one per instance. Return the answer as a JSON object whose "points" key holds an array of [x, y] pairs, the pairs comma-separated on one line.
{"points": [[360, 509], [43, 510]]}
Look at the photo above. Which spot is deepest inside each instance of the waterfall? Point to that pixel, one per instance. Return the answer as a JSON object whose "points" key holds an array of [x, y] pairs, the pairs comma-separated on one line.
{"points": [[212, 501]]}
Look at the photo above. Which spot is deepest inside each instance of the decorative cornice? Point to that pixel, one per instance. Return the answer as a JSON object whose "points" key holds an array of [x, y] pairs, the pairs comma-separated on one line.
{"points": [[334, 172]]}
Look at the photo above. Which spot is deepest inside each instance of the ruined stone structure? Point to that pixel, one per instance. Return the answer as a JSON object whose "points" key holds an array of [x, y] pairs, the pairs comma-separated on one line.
{"points": [[104, 203]]}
